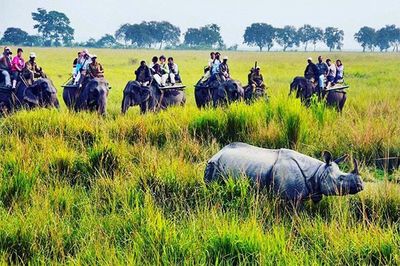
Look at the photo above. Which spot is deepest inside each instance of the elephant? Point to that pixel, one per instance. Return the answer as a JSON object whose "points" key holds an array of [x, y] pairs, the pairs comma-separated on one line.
{"points": [[203, 92], [93, 96], [336, 99], [41, 93], [150, 98], [227, 92], [251, 95], [305, 89]]}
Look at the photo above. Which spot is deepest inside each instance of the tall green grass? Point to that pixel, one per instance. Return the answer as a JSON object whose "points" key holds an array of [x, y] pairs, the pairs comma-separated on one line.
{"points": [[82, 189]]}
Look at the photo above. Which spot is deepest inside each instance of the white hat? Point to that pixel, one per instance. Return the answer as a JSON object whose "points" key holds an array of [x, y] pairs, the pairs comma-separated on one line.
{"points": [[225, 58], [32, 55], [310, 58], [86, 51]]}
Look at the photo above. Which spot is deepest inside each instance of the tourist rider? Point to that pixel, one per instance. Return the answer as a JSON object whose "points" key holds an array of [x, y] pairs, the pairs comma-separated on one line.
{"points": [[256, 79], [330, 78], [95, 69], [173, 71], [17, 65], [32, 71], [224, 70], [311, 71], [143, 74], [339, 71], [215, 66], [5, 66], [207, 70], [322, 73]]}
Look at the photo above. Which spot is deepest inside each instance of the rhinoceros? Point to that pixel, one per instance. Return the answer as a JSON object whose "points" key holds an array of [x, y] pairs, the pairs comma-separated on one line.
{"points": [[291, 175]]}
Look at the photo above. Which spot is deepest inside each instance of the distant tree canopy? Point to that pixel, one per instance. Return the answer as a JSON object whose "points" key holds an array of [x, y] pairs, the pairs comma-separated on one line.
{"points": [[54, 27], [366, 37], [15, 36], [206, 36], [287, 37], [333, 38], [147, 34], [384, 38], [260, 35]]}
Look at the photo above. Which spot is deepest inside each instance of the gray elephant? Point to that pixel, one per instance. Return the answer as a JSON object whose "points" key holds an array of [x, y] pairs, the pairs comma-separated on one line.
{"points": [[203, 92], [305, 89], [251, 94], [92, 97], [150, 98], [41, 93], [228, 91]]}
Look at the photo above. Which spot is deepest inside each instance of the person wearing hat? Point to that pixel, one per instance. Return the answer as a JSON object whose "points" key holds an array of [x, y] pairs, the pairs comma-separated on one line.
{"points": [[32, 71], [311, 72], [256, 79], [5, 66], [224, 69], [17, 65], [95, 69]]}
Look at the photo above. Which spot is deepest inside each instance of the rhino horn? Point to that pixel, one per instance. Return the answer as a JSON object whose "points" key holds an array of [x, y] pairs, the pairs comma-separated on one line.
{"points": [[341, 159], [355, 171]]}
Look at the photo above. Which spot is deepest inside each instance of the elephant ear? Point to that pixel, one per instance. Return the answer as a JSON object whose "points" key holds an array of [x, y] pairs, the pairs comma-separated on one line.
{"points": [[29, 96]]}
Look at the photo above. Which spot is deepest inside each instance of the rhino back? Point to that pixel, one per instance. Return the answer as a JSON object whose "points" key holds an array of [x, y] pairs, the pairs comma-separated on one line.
{"points": [[238, 159], [294, 174]]}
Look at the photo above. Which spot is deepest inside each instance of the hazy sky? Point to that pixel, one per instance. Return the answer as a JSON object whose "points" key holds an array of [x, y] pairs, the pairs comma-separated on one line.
{"points": [[92, 18]]}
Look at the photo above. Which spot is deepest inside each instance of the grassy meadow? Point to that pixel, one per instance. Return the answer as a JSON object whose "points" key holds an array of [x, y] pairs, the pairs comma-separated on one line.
{"points": [[83, 189]]}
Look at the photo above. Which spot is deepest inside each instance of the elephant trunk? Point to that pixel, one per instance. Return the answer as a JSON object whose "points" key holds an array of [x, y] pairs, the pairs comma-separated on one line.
{"points": [[102, 102], [126, 102]]}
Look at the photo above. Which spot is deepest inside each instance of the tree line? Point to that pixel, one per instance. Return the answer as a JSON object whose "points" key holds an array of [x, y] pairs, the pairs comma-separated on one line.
{"points": [[54, 29]]}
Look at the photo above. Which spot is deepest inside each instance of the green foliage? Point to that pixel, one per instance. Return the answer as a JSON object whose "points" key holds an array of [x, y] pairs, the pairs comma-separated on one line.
{"points": [[54, 27]]}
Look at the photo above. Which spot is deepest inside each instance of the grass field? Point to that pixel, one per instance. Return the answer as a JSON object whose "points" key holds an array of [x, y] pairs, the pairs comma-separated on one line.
{"points": [[79, 188]]}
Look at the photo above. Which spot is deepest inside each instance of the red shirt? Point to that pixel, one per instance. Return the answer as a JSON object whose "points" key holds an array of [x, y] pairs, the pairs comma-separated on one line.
{"points": [[17, 61]]}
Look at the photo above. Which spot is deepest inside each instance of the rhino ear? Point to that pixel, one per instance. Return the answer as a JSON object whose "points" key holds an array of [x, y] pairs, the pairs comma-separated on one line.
{"points": [[341, 159], [327, 157]]}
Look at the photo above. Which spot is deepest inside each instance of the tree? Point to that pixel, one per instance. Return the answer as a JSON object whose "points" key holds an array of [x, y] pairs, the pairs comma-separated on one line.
{"points": [[207, 36], [306, 34], [260, 35], [366, 37], [317, 36], [120, 34], [106, 41], [393, 34], [333, 38], [54, 27], [15, 36], [34, 40], [165, 33], [287, 37], [383, 38]]}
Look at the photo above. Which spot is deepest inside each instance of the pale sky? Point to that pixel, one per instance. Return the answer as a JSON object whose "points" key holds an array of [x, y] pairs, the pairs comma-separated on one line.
{"points": [[92, 18]]}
